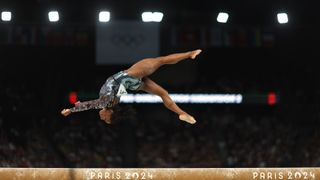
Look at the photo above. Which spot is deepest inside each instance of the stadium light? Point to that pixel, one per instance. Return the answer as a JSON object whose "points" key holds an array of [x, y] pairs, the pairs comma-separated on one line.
{"points": [[104, 16], [53, 16], [222, 17], [157, 16], [282, 18], [186, 98], [147, 16], [152, 16], [73, 97], [272, 98], [6, 16]]}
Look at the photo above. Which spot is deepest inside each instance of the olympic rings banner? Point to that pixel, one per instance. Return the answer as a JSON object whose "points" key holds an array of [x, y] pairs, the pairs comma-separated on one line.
{"points": [[125, 42], [160, 173]]}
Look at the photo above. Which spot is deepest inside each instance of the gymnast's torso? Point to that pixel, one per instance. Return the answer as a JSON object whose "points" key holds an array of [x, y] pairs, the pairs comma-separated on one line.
{"points": [[113, 83], [117, 84]]}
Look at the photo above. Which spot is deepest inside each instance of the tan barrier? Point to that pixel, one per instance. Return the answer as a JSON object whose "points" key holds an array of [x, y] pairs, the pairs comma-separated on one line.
{"points": [[165, 174]]}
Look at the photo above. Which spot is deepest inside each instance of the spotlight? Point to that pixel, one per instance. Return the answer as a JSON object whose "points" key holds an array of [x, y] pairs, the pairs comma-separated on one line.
{"points": [[222, 17], [152, 16], [147, 16], [53, 16], [6, 16], [157, 16], [282, 18], [104, 16]]}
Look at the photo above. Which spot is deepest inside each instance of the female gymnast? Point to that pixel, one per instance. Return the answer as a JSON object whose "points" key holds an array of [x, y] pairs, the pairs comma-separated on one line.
{"points": [[135, 78]]}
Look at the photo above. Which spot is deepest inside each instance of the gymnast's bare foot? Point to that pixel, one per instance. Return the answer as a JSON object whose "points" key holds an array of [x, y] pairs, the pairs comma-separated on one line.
{"points": [[187, 118], [195, 53]]}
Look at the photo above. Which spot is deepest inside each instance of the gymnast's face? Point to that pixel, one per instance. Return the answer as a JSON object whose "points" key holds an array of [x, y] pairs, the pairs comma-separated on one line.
{"points": [[105, 115]]}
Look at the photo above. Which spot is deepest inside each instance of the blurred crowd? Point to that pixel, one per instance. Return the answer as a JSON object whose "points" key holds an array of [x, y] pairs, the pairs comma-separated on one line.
{"points": [[218, 140], [230, 140]]}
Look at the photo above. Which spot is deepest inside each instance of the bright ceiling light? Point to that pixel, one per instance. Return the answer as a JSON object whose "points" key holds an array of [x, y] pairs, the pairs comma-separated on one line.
{"points": [[282, 18], [104, 16], [53, 16], [152, 16], [6, 16], [222, 17]]}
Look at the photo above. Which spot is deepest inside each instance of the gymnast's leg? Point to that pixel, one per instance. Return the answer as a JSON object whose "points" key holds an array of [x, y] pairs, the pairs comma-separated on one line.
{"points": [[153, 88], [147, 66]]}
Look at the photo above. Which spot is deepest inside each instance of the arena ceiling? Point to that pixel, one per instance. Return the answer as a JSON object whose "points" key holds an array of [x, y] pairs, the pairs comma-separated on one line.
{"points": [[247, 11]]}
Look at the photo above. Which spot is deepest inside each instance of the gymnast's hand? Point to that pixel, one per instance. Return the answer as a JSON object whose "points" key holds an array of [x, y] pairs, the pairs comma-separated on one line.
{"points": [[66, 112]]}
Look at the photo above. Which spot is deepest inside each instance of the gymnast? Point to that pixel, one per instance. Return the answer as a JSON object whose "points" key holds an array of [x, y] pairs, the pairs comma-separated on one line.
{"points": [[135, 78]]}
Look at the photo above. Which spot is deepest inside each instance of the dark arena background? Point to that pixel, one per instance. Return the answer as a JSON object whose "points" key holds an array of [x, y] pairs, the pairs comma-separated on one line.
{"points": [[266, 62]]}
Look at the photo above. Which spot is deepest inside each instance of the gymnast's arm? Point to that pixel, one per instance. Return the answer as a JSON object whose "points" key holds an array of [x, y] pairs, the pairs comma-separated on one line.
{"points": [[83, 106]]}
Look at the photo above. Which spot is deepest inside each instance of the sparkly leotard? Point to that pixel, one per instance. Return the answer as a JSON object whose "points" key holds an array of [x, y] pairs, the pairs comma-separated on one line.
{"points": [[110, 92]]}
